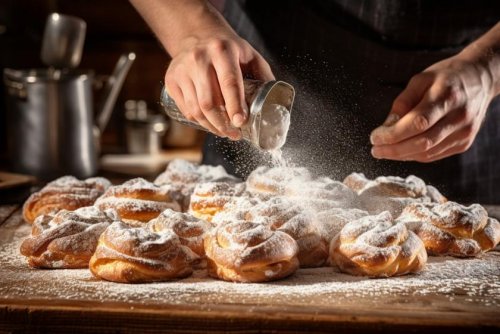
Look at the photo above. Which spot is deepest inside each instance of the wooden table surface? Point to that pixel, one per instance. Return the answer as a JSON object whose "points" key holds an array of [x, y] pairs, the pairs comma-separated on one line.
{"points": [[465, 296]]}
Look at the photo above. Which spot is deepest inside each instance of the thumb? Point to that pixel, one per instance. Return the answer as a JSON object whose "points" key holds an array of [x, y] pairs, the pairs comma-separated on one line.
{"points": [[409, 97], [407, 100]]}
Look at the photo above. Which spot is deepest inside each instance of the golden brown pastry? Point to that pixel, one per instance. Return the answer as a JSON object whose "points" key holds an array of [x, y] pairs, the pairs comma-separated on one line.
{"points": [[391, 193], [451, 228], [128, 254], [376, 246], [301, 224], [137, 201], [67, 239], [67, 193], [209, 198], [181, 176], [273, 180], [244, 251], [188, 228]]}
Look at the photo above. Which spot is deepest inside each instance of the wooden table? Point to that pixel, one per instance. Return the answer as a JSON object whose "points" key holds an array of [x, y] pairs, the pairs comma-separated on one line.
{"points": [[314, 300]]}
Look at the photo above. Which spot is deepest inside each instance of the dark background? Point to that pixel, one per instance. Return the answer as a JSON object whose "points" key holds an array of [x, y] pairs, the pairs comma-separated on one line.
{"points": [[113, 27]]}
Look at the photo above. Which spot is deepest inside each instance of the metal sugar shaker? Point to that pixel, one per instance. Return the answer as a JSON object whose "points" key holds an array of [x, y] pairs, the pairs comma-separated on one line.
{"points": [[258, 95]]}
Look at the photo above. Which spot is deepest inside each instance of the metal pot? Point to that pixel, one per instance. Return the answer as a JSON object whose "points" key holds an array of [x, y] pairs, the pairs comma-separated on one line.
{"points": [[51, 119]]}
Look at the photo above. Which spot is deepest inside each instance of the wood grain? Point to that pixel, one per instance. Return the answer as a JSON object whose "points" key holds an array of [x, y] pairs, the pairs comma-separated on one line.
{"points": [[73, 301]]}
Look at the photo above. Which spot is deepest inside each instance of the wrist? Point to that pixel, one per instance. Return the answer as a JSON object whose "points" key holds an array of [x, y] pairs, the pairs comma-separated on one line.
{"points": [[202, 23]]}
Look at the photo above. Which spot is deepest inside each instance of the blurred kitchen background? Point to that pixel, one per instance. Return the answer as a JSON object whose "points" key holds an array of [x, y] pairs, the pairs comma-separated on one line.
{"points": [[113, 28]]}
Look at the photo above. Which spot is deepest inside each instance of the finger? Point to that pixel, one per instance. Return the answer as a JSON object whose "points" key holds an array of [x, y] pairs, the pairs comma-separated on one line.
{"points": [[409, 97], [423, 142], [230, 79], [418, 120], [448, 153], [192, 107], [258, 68], [211, 102], [456, 143]]}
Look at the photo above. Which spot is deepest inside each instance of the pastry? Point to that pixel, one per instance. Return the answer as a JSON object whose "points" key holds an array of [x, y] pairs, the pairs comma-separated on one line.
{"points": [[128, 254], [181, 176], [322, 194], [66, 192], [272, 180], [451, 228], [137, 201], [283, 215], [188, 228], [377, 246], [333, 220], [67, 239], [244, 251], [209, 198], [391, 193]]}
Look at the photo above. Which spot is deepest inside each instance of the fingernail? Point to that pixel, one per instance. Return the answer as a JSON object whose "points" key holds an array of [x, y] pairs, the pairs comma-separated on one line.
{"points": [[235, 134], [375, 138], [375, 153], [238, 120], [391, 120]]}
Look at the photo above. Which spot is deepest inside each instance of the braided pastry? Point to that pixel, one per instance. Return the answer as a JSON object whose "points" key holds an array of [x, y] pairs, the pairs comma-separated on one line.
{"points": [[66, 192], [189, 229], [376, 246], [67, 239], [244, 251], [128, 254], [181, 177], [209, 198], [452, 229], [285, 216], [137, 200]]}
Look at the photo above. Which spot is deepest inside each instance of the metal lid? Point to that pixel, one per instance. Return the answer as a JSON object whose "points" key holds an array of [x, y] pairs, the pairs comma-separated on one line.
{"points": [[44, 75]]}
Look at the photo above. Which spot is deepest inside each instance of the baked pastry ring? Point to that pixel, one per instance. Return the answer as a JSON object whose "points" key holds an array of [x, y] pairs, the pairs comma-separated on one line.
{"points": [[376, 246], [244, 251], [332, 221], [128, 254], [209, 198], [137, 201], [181, 176], [391, 193], [322, 194], [67, 239], [188, 228], [452, 229], [67, 193], [301, 224], [273, 180]]}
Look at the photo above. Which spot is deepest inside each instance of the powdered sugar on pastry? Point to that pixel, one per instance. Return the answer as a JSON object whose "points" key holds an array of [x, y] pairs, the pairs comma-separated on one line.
{"points": [[137, 200], [376, 246]]}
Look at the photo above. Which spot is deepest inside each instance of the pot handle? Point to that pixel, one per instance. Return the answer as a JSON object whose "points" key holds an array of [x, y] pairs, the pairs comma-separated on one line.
{"points": [[112, 89], [15, 88]]}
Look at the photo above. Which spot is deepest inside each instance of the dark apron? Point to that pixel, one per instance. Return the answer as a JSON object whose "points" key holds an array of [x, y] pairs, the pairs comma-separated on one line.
{"points": [[346, 78]]}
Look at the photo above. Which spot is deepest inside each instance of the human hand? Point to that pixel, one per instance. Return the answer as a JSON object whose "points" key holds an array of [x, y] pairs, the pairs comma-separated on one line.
{"points": [[205, 79], [438, 114]]}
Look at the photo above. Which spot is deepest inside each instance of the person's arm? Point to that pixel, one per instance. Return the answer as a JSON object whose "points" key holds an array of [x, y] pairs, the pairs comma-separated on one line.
{"points": [[209, 60], [441, 110]]}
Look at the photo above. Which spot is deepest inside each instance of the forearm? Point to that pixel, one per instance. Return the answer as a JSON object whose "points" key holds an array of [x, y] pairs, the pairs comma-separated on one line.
{"points": [[176, 22], [486, 52]]}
